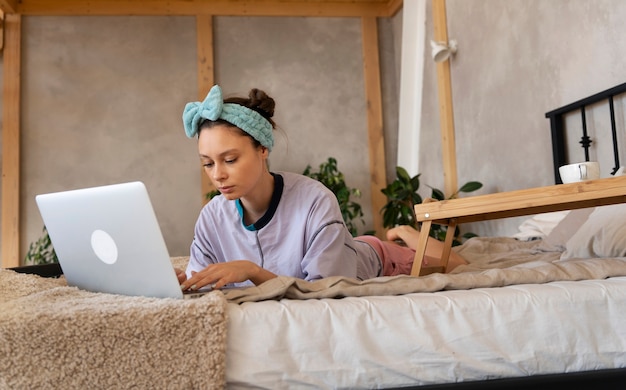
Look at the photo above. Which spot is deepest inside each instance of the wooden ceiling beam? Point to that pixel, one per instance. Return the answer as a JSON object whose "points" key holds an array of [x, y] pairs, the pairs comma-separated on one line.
{"points": [[336, 8], [8, 6], [393, 6]]}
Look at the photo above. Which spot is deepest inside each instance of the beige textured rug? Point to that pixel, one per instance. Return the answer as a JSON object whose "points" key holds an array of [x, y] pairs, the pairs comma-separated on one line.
{"points": [[58, 337]]}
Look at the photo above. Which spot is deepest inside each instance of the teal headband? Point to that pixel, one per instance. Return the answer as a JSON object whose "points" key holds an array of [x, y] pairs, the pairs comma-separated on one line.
{"points": [[214, 108]]}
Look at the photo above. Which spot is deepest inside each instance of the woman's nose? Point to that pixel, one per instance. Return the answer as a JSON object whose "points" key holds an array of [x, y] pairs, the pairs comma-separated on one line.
{"points": [[219, 172]]}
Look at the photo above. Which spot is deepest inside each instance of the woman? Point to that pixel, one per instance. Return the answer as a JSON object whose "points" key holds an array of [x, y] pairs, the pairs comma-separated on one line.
{"points": [[266, 223]]}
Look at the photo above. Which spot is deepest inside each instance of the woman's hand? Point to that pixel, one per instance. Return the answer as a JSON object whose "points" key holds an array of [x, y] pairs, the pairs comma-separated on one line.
{"points": [[181, 275], [221, 274]]}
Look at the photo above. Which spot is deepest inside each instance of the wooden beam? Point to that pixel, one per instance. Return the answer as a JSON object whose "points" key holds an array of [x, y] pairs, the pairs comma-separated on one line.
{"points": [[393, 6], [446, 113], [2, 13], [206, 77], [8, 6], [11, 143], [371, 69], [337, 8]]}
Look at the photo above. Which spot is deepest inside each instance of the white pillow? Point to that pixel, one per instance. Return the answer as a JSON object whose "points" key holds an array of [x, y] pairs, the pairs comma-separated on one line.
{"points": [[568, 226], [602, 235], [539, 226]]}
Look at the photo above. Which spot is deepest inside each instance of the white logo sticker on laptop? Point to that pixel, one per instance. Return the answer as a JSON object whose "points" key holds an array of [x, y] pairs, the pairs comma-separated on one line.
{"points": [[104, 246]]}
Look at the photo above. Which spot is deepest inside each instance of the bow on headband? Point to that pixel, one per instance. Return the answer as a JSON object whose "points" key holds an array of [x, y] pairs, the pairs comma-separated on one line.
{"points": [[214, 108]]}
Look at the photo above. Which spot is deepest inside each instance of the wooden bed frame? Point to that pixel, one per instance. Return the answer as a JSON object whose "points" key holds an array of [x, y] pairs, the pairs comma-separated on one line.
{"points": [[514, 203], [604, 379], [11, 12]]}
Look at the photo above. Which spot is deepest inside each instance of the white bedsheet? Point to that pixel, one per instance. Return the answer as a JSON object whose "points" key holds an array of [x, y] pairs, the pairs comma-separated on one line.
{"points": [[425, 338]]}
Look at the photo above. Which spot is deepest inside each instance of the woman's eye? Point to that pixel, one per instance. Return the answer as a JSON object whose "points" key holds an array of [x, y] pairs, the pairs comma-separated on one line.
{"points": [[207, 165], [230, 161]]}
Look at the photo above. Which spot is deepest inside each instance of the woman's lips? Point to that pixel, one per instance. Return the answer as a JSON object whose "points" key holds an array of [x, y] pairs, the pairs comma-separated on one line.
{"points": [[226, 189]]}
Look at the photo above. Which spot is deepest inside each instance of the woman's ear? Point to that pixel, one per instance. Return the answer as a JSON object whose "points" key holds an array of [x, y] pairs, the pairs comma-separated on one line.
{"points": [[265, 152]]}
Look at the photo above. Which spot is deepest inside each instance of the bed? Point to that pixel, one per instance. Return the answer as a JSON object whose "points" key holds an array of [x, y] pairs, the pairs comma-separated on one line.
{"points": [[519, 312], [545, 307]]}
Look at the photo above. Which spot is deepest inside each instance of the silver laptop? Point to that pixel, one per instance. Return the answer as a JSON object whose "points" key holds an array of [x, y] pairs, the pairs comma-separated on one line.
{"points": [[107, 239]]}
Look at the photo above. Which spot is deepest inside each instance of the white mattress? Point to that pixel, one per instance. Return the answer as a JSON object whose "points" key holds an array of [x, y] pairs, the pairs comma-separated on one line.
{"points": [[425, 338]]}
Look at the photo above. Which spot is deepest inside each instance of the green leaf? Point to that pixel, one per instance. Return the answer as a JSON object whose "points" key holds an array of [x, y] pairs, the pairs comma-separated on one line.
{"points": [[471, 186], [403, 175], [415, 182], [437, 194]]}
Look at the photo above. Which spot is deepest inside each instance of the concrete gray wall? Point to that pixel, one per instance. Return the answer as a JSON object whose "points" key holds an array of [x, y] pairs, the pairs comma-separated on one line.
{"points": [[516, 61], [102, 101], [103, 98]]}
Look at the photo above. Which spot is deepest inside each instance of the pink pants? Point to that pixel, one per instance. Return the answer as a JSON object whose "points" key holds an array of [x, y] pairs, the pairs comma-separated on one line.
{"points": [[396, 259]]}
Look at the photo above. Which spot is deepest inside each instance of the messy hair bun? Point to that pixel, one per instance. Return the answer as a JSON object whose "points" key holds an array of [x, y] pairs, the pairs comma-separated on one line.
{"points": [[258, 101]]}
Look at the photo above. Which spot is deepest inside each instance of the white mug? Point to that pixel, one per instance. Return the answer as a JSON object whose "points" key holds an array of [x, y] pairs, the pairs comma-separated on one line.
{"points": [[572, 173]]}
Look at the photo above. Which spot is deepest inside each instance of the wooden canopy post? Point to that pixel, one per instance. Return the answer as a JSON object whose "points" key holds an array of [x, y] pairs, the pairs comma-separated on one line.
{"points": [[446, 114], [371, 68], [206, 78], [11, 142], [204, 11]]}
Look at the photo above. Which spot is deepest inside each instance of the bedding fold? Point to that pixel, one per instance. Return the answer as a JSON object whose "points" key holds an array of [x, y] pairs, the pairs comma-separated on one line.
{"points": [[338, 287], [493, 262]]}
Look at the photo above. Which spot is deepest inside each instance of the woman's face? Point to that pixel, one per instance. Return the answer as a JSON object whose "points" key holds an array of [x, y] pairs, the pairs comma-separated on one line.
{"points": [[231, 160]]}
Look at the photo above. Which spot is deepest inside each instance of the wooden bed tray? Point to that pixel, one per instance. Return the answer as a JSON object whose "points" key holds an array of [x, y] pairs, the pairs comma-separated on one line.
{"points": [[510, 204]]}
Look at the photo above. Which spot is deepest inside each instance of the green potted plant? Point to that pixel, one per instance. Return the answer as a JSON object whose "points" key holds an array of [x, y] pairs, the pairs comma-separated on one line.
{"points": [[402, 197], [330, 175], [41, 251]]}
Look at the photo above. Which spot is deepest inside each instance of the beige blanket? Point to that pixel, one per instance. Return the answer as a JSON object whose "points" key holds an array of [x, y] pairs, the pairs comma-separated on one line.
{"points": [[493, 262], [58, 337]]}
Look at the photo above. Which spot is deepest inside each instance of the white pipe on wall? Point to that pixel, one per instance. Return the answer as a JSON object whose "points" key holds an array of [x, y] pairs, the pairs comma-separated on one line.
{"points": [[411, 80]]}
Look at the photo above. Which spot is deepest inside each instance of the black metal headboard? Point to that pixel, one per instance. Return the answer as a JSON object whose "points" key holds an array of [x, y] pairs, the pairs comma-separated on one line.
{"points": [[557, 126]]}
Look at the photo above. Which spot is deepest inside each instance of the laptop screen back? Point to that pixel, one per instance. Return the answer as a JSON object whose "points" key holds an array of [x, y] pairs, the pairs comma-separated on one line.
{"points": [[107, 239]]}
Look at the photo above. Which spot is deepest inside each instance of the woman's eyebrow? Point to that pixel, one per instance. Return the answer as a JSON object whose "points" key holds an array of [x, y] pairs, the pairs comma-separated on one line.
{"points": [[226, 152]]}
